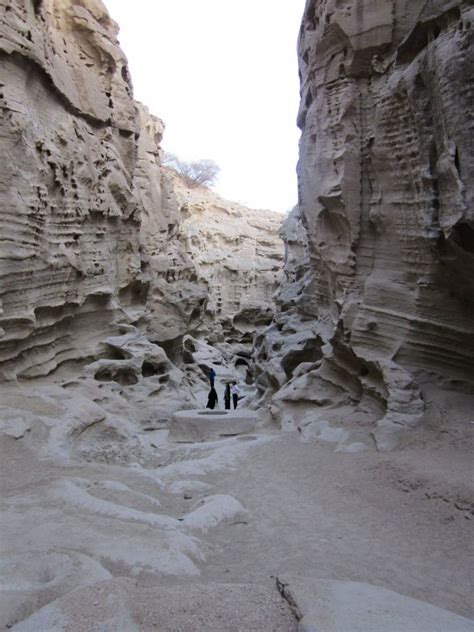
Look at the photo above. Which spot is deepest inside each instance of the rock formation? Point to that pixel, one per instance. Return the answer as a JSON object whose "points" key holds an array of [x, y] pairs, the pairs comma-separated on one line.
{"points": [[94, 235], [71, 218], [119, 288], [378, 296], [220, 269], [107, 267]]}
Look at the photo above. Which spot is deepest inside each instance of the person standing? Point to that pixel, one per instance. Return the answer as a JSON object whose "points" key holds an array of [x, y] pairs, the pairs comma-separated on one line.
{"points": [[212, 376], [235, 390], [227, 396], [212, 399]]}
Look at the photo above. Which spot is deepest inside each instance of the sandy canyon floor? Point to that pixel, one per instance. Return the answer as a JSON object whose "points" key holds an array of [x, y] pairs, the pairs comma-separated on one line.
{"points": [[123, 530]]}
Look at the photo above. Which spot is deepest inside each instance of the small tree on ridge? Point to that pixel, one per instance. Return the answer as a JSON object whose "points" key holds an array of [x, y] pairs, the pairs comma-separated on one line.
{"points": [[195, 173]]}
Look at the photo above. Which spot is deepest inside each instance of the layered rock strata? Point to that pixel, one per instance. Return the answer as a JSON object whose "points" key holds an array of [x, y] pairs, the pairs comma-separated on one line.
{"points": [[385, 225], [70, 216], [218, 274], [91, 235]]}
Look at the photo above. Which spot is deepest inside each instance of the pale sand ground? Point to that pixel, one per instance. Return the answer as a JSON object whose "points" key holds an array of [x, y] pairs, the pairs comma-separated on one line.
{"points": [[401, 520], [363, 517]]}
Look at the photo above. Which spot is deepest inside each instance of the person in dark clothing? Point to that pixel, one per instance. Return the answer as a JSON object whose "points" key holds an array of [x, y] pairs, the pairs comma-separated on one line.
{"points": [[227, 397], [212, 376], [235, 390], [212, 398]]}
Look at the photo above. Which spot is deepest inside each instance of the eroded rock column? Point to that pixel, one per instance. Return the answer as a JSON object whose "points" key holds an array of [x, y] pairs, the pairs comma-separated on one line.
{"points": [[386, 217]]}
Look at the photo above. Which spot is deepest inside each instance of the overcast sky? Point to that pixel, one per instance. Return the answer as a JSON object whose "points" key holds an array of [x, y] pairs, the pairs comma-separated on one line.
{"points": [[224, 78]]}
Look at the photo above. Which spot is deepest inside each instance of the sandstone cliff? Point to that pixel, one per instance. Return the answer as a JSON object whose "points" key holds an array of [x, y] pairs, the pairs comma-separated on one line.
{"points": [[380, 254], [218, 274], [107, 521], [93, 232], [70, 216]]}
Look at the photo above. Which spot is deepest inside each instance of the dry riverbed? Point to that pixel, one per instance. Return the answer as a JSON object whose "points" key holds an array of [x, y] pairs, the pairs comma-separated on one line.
{"points": [[195, 536]]}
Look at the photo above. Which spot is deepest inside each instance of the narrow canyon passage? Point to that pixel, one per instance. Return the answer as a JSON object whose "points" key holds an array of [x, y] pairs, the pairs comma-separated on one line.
{"points": [[338, 493]]}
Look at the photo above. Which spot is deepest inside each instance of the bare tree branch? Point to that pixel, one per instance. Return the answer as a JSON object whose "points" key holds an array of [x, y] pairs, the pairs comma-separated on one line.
{"points": [[194, 174]]}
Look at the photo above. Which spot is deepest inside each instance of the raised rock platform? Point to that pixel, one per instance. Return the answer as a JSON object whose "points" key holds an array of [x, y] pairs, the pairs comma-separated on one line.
{"points": [[205, 425]]}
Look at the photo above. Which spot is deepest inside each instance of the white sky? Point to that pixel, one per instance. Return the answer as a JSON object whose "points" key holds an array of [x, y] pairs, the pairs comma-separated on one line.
{"points": [[223, 76]]}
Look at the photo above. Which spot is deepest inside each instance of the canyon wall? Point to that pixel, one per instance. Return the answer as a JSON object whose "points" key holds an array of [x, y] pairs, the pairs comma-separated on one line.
{"points": [[70, 207], [227, 261], [91, 225], [379, 289]]}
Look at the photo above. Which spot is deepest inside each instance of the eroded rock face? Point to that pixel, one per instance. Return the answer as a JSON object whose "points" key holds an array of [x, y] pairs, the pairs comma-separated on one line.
{"points": [[386, 219], [70, 220], [218, 274], [94, 234]]}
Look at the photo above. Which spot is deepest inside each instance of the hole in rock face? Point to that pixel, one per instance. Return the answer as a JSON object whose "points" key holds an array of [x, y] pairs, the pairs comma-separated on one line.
{"points": [[311, 352], [173, 349], [152, 368], [113, 353], [124, 376], [190, 346], [463, 235], [187, 357], [50, 314], [148, 369], [243, 367], [100, 302], [134, 294]]}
